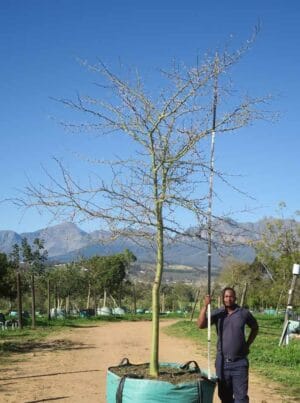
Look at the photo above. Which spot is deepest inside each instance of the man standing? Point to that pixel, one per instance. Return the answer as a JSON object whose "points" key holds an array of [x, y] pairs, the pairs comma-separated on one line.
{"points": [[232, 348]]}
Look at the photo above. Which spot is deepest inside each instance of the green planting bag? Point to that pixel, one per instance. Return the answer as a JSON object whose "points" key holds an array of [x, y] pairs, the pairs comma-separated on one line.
{"points": [[131, 389]]}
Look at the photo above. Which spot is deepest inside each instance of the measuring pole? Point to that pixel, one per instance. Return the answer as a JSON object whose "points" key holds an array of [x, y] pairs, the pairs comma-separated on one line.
{"points": [[210, 200]]}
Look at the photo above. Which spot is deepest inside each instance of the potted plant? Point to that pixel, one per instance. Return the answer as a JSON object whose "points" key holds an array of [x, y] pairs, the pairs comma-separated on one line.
{"points": [[164, 169]]}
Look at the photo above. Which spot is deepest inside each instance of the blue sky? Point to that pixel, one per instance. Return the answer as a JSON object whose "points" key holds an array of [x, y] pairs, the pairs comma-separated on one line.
{"points": [[41, 41]]}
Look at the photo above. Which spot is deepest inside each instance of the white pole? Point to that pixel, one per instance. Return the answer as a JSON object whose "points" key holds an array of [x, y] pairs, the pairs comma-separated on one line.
{"points": [[208, 340], [210, 200]]}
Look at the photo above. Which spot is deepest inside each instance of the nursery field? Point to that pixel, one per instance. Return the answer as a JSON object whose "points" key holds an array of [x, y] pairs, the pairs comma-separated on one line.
{"points": [[67, 362]]}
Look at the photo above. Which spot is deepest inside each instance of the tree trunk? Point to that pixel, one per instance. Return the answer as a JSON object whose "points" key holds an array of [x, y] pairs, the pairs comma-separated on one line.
{"points": [[163, 305], [154, 368], [49, 300], [279, 301], [67, 304], [244, 295], [95, 302], [59, 302], [134, 298], [104, 299], [195, 304], [32, 302], [88, 297], [120, 295], [19, 301], [55, 300]]}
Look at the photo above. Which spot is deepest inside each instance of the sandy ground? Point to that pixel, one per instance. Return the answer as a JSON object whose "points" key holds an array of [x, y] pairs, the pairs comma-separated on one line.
{"points": [[71, 367]]}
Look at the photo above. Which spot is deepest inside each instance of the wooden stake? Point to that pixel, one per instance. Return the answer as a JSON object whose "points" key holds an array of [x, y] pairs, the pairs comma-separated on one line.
{"points": [[19, 301]]}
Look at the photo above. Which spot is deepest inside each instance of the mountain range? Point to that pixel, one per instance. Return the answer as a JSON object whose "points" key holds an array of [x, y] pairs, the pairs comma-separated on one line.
{"points": [[67, 242]]}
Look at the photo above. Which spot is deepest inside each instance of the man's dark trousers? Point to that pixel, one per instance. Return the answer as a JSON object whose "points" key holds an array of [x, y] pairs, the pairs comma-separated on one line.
{"points": [[233, 381]]}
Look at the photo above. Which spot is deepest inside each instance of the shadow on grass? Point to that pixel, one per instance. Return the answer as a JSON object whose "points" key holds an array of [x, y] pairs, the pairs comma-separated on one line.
{"points": [[12, 335], [29, 346]]}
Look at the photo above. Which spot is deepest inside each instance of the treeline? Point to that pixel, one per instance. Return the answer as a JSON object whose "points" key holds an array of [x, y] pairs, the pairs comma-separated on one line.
{"points": [[86, 284], [267, 280], [106, 280]]}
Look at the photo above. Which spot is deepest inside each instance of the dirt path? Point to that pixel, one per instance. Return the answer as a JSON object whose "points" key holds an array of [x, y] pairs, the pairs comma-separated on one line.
{"points": [[71, 367]]}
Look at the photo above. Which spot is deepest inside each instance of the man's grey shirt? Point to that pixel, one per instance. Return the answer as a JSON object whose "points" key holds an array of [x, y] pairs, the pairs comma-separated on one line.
{"points": [[231, 331]]}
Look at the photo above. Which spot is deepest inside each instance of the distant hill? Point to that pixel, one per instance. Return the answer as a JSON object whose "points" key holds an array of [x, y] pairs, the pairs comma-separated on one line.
{"points": [[8, 239], [60, 239], [66, 242]]}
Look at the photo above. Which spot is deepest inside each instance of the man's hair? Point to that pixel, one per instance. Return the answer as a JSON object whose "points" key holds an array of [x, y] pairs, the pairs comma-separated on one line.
{"points": [[228, 289]]}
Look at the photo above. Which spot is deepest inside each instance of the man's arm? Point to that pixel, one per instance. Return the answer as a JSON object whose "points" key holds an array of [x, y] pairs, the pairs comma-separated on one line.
{"points": [[253, 332], [202, 320]]}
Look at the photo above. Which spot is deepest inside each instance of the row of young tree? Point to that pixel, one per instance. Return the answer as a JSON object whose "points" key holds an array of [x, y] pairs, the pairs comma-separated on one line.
{"points": [[18, 272], [106, 280], [86, 284]]}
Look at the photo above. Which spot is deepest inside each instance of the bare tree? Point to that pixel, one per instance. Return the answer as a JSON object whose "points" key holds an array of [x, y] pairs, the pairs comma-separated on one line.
{"points": [[168, 171]]}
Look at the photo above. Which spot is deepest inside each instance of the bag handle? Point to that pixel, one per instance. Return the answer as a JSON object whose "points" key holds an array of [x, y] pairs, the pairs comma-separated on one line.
{"points": [[188, 364], [124, 362]]}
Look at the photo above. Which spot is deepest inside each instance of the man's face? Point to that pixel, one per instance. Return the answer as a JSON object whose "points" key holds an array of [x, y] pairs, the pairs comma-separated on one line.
{"points": [[229, 298]]}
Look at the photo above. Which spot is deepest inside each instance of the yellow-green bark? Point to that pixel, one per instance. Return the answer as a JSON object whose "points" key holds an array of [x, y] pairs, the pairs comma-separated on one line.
{"points": [[154, 358]]}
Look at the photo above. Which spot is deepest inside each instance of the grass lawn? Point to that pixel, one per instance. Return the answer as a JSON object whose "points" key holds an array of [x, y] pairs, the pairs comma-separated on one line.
{"points": [[279, 364]]}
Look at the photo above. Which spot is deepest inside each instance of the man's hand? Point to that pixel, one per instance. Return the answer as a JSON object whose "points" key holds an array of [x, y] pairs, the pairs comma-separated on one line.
{"points": [[202, 320], [207, 300]]}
